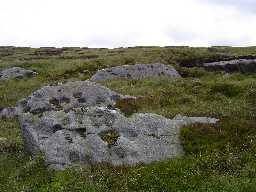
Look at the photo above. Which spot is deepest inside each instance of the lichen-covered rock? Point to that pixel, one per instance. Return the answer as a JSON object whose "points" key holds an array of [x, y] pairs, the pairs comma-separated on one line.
{"points": [[16, 73], [237, 65], [70, 132], [68, 96], [138, 71]]}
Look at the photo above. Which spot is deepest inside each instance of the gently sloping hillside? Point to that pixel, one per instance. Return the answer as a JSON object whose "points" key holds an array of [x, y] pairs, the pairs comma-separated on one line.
{"points": [[218, 157]]}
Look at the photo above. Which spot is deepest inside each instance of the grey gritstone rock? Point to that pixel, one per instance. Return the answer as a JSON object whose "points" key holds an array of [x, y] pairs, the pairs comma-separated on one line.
{"points": [[238, 65], [16, 73], [67, 131], [138, 71]]}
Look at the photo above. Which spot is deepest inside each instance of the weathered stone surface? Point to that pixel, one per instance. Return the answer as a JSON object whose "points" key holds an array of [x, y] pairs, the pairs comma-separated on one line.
{"points": [[8, 112], [238, 65], [70, 132], [16, 73], [138, 71], [68, 96]]}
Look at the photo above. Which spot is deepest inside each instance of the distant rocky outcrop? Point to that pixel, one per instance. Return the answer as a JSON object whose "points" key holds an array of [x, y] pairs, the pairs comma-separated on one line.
{"points": [[237, 65], [138, 71], [48, 51], [77, 123], [16, 73]]}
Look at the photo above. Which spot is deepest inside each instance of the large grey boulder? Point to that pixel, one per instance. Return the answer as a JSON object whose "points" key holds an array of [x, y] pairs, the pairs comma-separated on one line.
{"points": [[138, 71], [16, 73], [76, 123], [237, 65]]}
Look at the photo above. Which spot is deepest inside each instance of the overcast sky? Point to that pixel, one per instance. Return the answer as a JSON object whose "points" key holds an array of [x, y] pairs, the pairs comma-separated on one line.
{"points": [[116, 23]]}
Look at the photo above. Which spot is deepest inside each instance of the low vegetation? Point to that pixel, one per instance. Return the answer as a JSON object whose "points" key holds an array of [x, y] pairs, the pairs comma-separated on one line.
{"points": [[219, 157]]}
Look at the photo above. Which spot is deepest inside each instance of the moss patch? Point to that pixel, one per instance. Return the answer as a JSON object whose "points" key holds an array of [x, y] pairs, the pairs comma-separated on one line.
{"points": [[110, 136]]}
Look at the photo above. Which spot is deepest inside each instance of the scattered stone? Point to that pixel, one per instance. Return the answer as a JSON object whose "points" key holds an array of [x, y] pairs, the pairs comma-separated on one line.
{"points": [[138, 71], [70, 132], [9, 112], [16, 73], [238, 65]]}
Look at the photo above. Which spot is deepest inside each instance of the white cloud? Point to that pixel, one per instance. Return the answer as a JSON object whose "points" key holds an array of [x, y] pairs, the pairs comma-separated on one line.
{"points": [[114, 23], [240, 5]]}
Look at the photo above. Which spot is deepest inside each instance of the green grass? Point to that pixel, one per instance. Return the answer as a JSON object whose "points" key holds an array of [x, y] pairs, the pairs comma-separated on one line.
{"points": [[215, 95], [219, 157], [10, 139]]}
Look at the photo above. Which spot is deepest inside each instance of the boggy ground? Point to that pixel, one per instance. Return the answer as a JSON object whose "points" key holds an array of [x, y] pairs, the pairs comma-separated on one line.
{"points": [[219, 157]]}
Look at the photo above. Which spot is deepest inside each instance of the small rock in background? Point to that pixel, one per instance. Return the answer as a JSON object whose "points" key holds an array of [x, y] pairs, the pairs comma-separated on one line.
{"points": [[9, 112], [138, 71], [16, 73], [238, 65]]}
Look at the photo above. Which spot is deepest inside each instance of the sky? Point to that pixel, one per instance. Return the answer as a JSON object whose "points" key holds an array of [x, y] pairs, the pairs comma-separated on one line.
{"points": [[123, 23]]}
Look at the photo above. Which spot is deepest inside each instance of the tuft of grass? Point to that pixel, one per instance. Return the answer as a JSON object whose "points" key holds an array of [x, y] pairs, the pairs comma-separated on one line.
{"points": [[10, 136], [238, 134], [227, 89], [128, 106]]}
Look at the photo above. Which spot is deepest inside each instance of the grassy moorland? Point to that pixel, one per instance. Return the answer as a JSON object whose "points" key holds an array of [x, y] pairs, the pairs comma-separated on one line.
{"points": [[219, 157]]}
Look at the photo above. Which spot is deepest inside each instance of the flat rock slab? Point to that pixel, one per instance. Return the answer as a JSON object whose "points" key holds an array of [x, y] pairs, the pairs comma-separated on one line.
{"points": [[76, 123], [238, 65], [138, 71], [16, 73]]}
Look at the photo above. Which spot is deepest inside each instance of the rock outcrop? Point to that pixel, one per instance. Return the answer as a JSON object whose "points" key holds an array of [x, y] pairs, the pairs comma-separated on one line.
{"points": [[77, 123], [138, 71], [16, 73], [238, 65]]}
